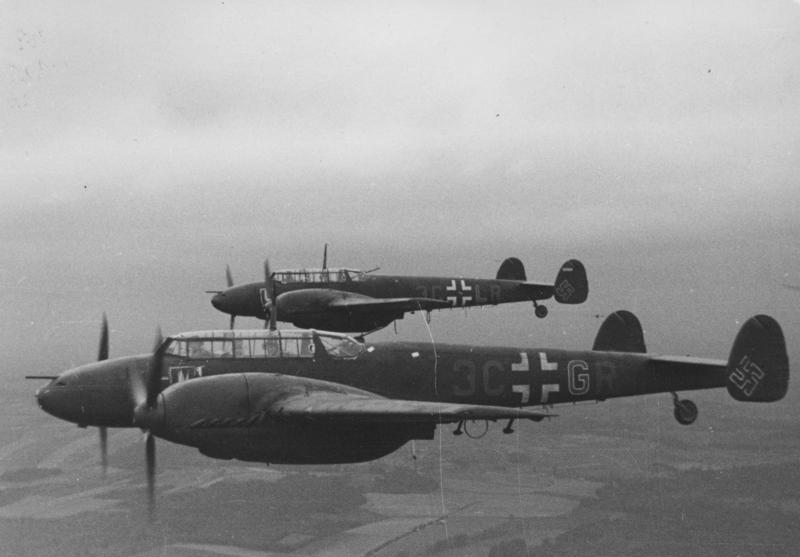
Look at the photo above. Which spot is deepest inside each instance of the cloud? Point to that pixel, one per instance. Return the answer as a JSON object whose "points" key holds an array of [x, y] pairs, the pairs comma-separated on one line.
{"points": [[512, 120]]}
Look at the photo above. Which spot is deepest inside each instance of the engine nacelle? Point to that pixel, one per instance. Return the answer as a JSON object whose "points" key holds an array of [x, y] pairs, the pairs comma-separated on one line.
{"points": [[310, 308], [238, 416]]}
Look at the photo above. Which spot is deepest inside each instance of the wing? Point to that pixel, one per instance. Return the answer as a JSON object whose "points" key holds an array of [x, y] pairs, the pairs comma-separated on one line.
{"points": [[253, 398], [388, 304], [349, 406]]}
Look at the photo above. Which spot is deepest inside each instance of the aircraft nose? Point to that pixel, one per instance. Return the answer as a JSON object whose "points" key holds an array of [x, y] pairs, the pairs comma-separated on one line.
{"points": [[51, 399], [42, 397], [218, 301]]}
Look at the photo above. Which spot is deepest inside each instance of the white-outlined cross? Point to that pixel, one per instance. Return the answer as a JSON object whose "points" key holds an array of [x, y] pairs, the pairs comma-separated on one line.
{"points": [[458, 296]]}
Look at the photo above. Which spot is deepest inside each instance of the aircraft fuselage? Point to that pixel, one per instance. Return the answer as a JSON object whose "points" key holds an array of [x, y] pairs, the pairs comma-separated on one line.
{"points": [[466, 374], [250, 299], [99, 394], [304, 396]]}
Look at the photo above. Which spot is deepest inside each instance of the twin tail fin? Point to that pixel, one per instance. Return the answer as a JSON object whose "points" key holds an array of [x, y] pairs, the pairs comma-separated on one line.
{"points": [[571, 285], [757, 369], [758, 366]]}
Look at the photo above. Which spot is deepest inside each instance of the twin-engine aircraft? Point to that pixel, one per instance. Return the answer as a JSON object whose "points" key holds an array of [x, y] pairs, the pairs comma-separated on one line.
{"points": [[352, 301], [312, 397]]}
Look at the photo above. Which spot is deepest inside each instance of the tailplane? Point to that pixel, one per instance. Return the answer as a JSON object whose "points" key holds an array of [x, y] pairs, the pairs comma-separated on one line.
{"points": [[620, 332], [571, 286], [758, 367]]}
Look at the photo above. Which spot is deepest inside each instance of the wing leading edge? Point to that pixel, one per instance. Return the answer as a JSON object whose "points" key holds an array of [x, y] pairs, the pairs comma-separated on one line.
{"points": [[256, 398], [389, 304], [346, 406]]}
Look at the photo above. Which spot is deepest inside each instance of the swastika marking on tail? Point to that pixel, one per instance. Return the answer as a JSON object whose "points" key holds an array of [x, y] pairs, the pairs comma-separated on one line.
{"points": [[565, 290], [747, 376]]}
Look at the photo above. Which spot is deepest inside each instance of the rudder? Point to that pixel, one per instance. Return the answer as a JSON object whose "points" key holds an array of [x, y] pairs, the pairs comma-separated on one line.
{"points": [[571, 286], [620, 332], [758, 366]]}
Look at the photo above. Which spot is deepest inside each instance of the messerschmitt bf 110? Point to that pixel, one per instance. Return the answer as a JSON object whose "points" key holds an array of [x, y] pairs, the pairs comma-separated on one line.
{"points": [[313, 397], [353, 301]]}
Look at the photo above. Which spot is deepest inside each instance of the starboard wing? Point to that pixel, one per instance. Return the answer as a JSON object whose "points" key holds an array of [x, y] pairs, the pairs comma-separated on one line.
{"points": [[388, 304], [349, 406]]}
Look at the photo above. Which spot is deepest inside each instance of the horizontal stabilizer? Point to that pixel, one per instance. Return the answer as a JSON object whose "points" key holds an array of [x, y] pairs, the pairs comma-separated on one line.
{"points": [[620, 332], [571, 286], [511, 269], [758, 366]]}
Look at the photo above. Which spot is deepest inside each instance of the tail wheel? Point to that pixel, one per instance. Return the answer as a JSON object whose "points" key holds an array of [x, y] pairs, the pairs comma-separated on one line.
{"points": [[685, 411], [540, 311]]}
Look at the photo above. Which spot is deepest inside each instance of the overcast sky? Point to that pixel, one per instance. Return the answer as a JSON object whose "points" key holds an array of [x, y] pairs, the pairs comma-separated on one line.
{"points": [[145, 145]]}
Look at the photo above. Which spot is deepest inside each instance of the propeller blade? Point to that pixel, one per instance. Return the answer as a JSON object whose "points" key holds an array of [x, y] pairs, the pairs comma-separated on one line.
{"points": [[150, 457], [273, 306], [228, 275], [102, 354], [158, 339], [325, 257], [104, 449], [153, 383]]}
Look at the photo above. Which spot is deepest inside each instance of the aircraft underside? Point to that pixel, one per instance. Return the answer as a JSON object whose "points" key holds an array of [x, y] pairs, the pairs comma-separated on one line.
{"points": [[309, 443], [343, 322]]}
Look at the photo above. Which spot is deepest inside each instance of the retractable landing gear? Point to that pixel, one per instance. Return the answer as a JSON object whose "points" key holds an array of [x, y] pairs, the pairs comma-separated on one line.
{"points": [[685, 410], [540, 311], [463, 427]]}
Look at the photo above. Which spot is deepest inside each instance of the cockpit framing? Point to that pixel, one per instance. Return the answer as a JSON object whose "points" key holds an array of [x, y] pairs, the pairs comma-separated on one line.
{"points": [[261, 343]]}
